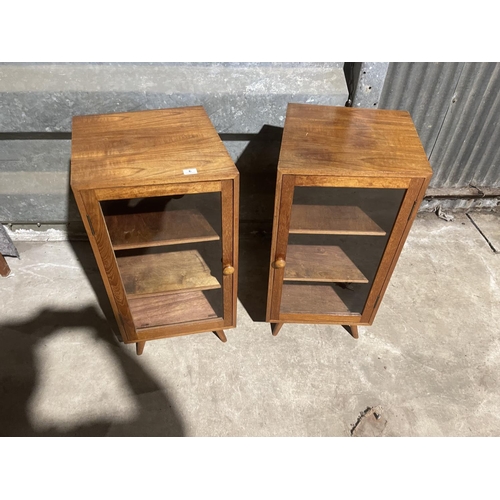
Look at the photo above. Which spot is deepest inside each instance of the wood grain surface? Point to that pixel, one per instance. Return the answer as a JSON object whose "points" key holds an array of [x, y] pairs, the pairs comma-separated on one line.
{"points": [[169, 309], [97, 232], [311, 299], [4, 267], [167, 331], [351, 142], [157, 273], [158, 228], [325, 219], [320, 263], [147, 147], [230, 218], [281, 224], [147, 191]]}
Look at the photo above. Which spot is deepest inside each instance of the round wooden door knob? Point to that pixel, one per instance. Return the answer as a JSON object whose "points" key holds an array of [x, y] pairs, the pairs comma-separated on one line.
{"points": [[228, 270], [279, 262]]}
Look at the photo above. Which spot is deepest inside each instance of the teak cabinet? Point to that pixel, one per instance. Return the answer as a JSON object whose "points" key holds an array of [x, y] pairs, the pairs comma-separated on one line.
{"points": [[158, 194], [349, 185]]}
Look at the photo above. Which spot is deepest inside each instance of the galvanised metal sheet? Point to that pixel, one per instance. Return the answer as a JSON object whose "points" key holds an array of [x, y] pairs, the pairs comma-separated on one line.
{"points": [[468, 146], [425, 90], [456, 110]]}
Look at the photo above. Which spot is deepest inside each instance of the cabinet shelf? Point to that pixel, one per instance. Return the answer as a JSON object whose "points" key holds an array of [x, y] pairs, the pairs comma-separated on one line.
{"points": [[329, 219], [170, 309], [312, 299], [128, 231], [321, 263], [161, 273]]}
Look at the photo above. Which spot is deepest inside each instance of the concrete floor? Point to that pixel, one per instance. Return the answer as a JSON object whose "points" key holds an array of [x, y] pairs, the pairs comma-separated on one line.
{"points": [[428, 366]]}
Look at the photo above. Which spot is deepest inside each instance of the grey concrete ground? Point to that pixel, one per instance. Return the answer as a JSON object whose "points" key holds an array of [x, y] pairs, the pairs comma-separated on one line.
{"points": [[429, 365]]}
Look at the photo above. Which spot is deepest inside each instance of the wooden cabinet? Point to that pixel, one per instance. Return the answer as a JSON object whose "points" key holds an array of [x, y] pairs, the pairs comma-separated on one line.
{"points": [[158, 194], [349, 185]]}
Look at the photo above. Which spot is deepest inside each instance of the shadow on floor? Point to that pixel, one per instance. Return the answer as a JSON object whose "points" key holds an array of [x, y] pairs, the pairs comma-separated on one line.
{"points": [[258, 165], [19, 379]]}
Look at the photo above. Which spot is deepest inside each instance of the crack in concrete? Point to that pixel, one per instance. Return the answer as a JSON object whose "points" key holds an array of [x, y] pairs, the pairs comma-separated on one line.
{"points": [[482, 234], [374, 423], [360, 418]]}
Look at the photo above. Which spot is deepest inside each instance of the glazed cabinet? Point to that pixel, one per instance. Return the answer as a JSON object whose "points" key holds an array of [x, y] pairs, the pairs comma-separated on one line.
{"points": [[158, 194], [349, 185]]}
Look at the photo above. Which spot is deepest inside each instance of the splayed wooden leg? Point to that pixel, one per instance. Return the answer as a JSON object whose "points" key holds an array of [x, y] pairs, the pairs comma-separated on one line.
{"points": [[276, 327], [4, 267], [352, 329], [221, 335], [139, 347]]}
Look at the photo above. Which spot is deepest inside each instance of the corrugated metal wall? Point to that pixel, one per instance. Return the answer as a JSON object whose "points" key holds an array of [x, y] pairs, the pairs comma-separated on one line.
{"points": [[456, 109]]}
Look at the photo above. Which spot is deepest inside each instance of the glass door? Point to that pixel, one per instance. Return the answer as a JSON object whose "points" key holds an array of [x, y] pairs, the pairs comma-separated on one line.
{"points": [[329, 248], [168, 250]]}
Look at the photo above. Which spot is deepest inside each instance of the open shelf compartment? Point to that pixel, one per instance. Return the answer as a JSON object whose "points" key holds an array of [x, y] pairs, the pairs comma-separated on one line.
{"points": [[160, 273], [332, 219], [321, 263], [312, 299], [170, 309], [149, 229]]}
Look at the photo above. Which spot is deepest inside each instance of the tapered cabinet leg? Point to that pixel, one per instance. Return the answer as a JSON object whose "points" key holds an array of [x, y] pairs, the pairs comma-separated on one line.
{"points": [[139, 347], [276, 327], [221, 335], [4, 267], [352, 329]]}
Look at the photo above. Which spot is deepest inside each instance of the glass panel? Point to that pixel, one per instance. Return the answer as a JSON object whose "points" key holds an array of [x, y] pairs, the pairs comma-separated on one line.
{"points": [[169, 256], [336, 240]]}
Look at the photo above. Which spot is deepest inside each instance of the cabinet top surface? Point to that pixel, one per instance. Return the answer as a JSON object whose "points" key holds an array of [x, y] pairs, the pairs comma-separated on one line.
{"points": [[147, 148], [350, 142]]}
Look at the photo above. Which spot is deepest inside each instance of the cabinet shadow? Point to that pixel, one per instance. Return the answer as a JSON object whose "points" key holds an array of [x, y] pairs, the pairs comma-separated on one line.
{"points": [[20, 379], [258, 165]]}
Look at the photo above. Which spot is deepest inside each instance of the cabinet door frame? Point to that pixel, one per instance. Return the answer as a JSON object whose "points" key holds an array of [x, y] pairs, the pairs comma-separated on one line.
{"points": [[283, 205], [89, 201], [104, 254]]}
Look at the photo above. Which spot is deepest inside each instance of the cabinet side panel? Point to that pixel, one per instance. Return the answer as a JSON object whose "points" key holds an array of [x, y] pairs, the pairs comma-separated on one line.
{"points": [[106, 261], [407, 213]]}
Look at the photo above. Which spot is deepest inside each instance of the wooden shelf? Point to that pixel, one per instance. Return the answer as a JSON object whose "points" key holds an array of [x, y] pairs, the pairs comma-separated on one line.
{"points": [[312, 299], [158, 273], [320, 263], [328, 219], [158, 228], [169, 309]]}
